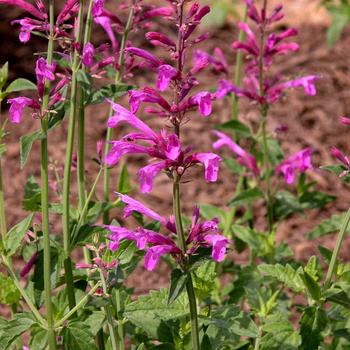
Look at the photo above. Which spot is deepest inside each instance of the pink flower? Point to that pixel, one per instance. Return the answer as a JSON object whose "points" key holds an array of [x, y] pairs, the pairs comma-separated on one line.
{"points": [[300, 161], [88, 55], [345, 120], [308, 83], [166, 73], [17, 107], [153, 255], [151, 59], [26, 6], [97, 8], [203, 100], [105, 23], [339, 155], [211, 164], [244, 158], [219, 244], [160, 39], [31, 262]]}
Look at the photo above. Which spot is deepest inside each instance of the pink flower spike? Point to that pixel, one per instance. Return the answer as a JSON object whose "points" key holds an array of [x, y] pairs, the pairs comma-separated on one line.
{"points": [[219, 244], [148, 173], [134, 205], [88, 55], [154, 254], [345, 120], [211, 165], [24, 5], [17, 107], [165, 74]]}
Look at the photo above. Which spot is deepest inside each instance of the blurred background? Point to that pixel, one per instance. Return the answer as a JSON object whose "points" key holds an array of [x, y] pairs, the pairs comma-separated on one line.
{"points": [[324, 38]]}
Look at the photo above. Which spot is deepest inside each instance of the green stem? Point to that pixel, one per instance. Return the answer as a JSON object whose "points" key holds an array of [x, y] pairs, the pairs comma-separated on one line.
{"points": [[333, 263], [238, 69], [45, 190], [81, 122], [3, 225], [109, 316], [118, 79], [24, 294], [182, 243], [68, 165], [120, 327], [77, 307]]}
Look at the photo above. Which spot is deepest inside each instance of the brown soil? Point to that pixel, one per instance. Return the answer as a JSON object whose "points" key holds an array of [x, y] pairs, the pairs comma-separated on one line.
{"points": [[312, 121]]}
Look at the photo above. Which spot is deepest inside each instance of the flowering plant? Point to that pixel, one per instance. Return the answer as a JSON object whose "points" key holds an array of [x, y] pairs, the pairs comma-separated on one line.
{"points": [[68, 282]]}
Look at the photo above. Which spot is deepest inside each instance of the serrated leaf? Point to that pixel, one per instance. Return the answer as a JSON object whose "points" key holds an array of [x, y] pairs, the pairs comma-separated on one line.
{"points": [[312, 286], [4, 74], [327, 226], [315, 199], [280, 334], [286, 204], [284, 274], [236, 126], [95, 321], [246, 197], [9, 293], [32, 195], [14, 236], [124, 185], [26, 143], [153, 314], [15, 328], [340, 18], [177, 284], [109, 91], [20, 84], [312, 323], [77, 336], [338, 296]]}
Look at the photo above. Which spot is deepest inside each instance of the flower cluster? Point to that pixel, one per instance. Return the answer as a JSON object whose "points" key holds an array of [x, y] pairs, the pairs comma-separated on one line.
{"points": [[40, 22], [44, 72], [261, 48], [201, 234]]}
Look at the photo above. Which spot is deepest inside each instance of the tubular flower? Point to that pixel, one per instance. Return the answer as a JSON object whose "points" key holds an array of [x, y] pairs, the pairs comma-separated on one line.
{"points": [[165, 148], [200, 234], [44, 72], [244, 158], [273, 86], [300, 161]]}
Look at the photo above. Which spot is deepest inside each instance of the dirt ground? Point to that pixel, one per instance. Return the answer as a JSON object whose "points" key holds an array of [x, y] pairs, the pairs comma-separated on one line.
{"points": [[311, 121]]}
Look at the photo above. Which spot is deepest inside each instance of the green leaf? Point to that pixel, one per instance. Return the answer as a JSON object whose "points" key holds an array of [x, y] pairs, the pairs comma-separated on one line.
{"points": [[95, 321], [124, 186], [340, 170], [32, 195], [312, 286], [315, 199], [84, 234], [326, 253], [236, 126], [338, 296], [78, 336], [340, 18], [4, 74], [327, 226], [21, 323], [2, 149], [9, 293], [109, 91], [13, 238], [153, 314], [38, 339], [234, 166], [20, 84], [280, 334], [286, 204], [246, 197], [177, 284], [204, 279], [312, 323], [284, 274], [26, 143]]}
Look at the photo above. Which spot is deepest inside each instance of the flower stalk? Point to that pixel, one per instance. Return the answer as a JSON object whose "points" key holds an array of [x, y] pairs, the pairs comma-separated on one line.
{"points": [[68, 164], [118, 80]]}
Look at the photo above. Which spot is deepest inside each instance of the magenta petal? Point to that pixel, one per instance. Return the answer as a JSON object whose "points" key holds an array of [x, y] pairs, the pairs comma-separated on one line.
{"points": [[153, 255], [165, 74], [211, 164], [88, 55], [308, 83], [17, 106], [203, 100], [120, 148], [105, 23], [148, 173], [219, 244], [97, 8]]}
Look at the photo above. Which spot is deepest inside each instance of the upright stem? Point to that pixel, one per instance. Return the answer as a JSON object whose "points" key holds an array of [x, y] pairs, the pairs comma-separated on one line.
{"points": [[238, 69], [182, 243], [68, 165], [45, 191], [109, 316], [81, 122], [3, 226], [118, 80], [333, 263]]}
